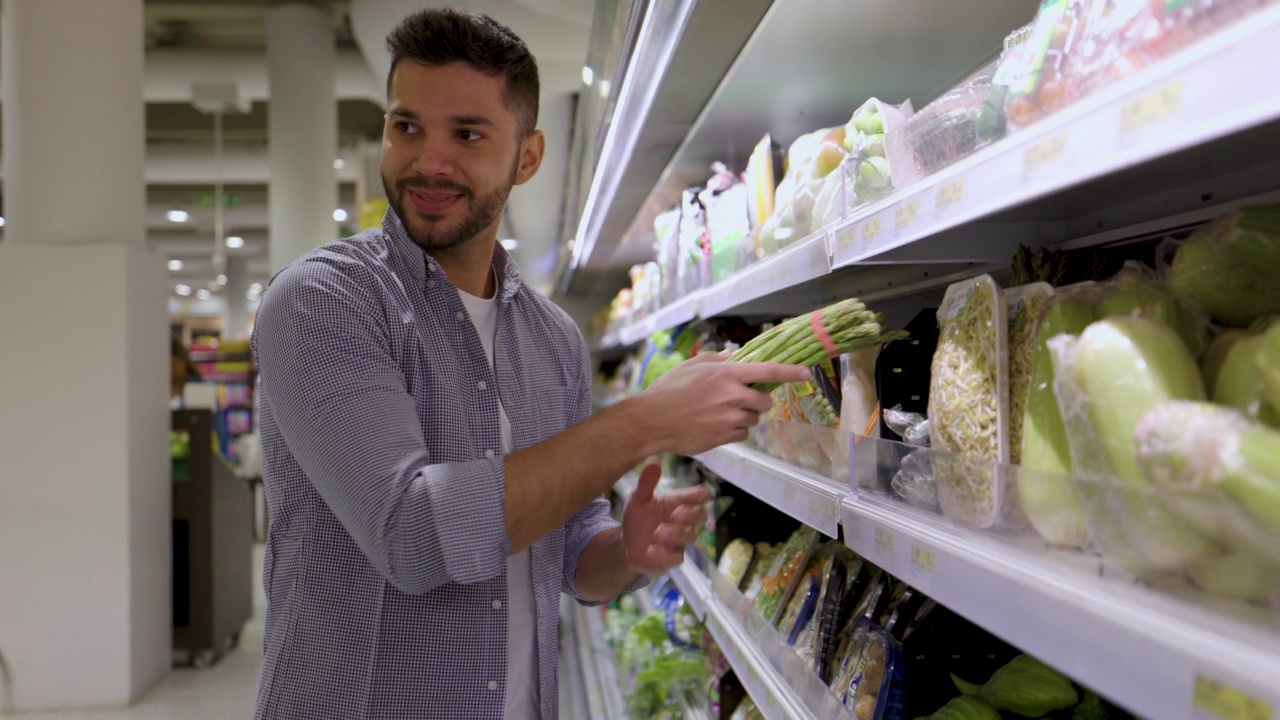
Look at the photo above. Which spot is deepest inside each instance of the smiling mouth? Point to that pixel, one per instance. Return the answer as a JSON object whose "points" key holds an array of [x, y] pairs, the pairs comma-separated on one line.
{"points": [[432, 202]]}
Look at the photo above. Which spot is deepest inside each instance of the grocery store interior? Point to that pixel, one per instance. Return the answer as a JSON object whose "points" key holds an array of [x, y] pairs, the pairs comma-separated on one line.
{"points": [[1030, 250]]}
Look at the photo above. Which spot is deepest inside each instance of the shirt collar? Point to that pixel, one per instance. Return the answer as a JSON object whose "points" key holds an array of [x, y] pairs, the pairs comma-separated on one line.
{"points": [[508, 275]]}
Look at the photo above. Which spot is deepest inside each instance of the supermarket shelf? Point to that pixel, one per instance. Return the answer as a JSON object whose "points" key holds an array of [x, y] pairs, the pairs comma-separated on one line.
{"points": [[1163, 150], [1156, 655], [809, 64], [1183, 102], [680, 311], [773, 692], [804, 495], [604, 693]]}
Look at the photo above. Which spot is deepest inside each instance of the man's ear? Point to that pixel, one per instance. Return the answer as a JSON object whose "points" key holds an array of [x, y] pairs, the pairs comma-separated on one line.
{"points": [[532, 148]]}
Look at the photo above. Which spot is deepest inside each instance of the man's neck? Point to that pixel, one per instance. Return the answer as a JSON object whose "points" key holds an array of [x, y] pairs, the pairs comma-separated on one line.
{"points": [[470, 268]]}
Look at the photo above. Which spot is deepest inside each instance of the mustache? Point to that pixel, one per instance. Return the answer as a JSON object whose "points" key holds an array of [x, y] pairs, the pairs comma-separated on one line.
{"points": [[422, 184]]}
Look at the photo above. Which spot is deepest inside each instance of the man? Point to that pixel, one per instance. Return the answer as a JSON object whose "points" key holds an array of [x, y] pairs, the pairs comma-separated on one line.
{"points": [[433, 472]]}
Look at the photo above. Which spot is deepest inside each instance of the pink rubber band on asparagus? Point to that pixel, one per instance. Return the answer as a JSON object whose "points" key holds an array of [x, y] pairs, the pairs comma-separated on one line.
{"points": [[820, 331]]}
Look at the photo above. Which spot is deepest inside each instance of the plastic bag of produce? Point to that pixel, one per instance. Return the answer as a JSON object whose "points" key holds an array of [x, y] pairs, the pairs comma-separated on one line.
{"points": [[1231, 266], [1045, 483], [867, 138], [772, 589], [1221, 470], [1105, 380], [908, 424], [914, 482], [1234, 375], [1135, 291], [969, 401]]}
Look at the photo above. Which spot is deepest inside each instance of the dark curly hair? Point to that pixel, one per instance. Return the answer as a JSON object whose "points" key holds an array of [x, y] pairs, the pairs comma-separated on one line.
{"points": [[440, 36]]}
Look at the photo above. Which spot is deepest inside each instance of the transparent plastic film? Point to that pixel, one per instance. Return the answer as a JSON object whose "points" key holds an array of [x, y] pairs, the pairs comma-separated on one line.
{"points": [[1105, 379], [866, 138], [969, 400]]}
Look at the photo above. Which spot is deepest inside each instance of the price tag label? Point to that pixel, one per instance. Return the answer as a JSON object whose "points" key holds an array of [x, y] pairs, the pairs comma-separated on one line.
{"points": [[1150, 108], [884, 542], [923, 559], [825, 512], [846, 241], [905, 215], [789, 495], [1043, 155], [1216, 700], [870, 232], [948, 198]]}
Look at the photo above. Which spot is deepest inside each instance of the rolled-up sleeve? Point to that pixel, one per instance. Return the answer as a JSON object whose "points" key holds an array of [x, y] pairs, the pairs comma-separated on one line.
{"points": [[342, 406], [596, 517]]}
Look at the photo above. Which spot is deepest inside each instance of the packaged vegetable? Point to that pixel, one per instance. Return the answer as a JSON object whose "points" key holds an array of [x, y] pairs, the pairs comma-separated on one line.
{"points": [[1024, 686], [907, 424], [1268, 359], [1230, 266], [812, 338], [830, 614], [875, 690], [969, 401], [1106, 380], [865, 137], [1045, 484], [736, 560], [1136, 292], [1024, 306], [859, 403], [772, 589], [1238, 380]]}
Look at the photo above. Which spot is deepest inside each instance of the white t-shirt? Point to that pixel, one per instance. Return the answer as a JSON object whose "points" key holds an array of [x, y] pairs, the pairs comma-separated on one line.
{"points": [[521, 700]]}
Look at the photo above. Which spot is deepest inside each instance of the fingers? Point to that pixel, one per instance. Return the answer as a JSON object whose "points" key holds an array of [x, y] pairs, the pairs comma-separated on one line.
{"points": [[766, 372], [694, 515], [675, 535], [664, 557], [757, 402], [672, 499], [707, 357], [649, 477]]}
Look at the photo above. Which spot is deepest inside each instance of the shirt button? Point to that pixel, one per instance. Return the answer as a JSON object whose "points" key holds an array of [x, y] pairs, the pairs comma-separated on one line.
{"points": [[482, 385], [431, 267], [431, 283], [493, 684], [497, 604], [488, 454], [458, 316]]}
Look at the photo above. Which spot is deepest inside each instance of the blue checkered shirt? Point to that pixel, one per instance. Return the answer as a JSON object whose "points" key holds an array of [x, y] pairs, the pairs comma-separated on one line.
{"points": [[385, 568]]}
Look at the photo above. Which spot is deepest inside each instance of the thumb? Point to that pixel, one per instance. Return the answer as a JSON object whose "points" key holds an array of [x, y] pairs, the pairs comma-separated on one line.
{"points": [[649, 477]]}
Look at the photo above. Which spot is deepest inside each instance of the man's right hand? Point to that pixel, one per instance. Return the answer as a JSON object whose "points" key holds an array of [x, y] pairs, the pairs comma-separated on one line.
{"points": [[707, 402]]}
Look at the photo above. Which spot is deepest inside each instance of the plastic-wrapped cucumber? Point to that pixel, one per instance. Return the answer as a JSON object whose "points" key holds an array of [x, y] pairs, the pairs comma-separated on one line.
{"points": [[1106, 380], [1231, 266]]}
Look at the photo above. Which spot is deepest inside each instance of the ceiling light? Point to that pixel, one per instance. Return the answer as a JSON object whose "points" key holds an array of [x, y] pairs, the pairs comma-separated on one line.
{"points": [[510, 244], [178, 216], [203, 294], [340, 215], [251, 295], [183, 290], [222, 279], [1, 222], [339, 163], [604, 88], [256, 288], [175, 265], [588, 75], [235, 242]]}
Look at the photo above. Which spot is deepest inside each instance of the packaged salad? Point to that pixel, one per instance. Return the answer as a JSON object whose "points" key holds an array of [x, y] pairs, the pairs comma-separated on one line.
{"points": [[771, 589]]}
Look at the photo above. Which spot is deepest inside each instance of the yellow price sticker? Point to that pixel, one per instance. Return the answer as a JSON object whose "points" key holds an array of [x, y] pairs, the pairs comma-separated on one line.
{"points": [[846, 238], [1154, 106], [871, 230], [884, 539], [949, 194], [905, 215], [1044, 153], [923, 559], [1229, 703], [823, 510]]}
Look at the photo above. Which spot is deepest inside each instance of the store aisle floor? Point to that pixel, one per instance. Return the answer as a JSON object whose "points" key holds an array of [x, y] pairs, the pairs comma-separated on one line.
{"points": [[225, 690]]}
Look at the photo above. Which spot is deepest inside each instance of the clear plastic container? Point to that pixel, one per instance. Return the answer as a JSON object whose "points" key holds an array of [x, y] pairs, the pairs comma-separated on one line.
{"points": [[875, 691], [969, 400]]}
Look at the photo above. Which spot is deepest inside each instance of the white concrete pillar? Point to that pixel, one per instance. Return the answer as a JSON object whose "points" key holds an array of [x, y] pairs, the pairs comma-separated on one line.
{"points": [[235, 320], [303, 130], [85, 518]]}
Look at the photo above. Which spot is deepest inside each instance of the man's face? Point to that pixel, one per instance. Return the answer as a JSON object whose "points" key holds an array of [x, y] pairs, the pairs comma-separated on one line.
{"points": [[451, 152]]}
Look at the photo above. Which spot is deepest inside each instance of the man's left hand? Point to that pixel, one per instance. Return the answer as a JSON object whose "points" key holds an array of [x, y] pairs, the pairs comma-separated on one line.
{"points": [[657, 529]]}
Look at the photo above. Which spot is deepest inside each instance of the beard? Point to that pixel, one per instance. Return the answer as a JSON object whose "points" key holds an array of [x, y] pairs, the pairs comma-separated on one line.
{"points": [[424, 230]]}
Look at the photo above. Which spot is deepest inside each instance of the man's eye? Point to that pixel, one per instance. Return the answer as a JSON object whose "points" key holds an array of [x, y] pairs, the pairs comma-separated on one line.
{"points": [[404, 128], [469, 135]]}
